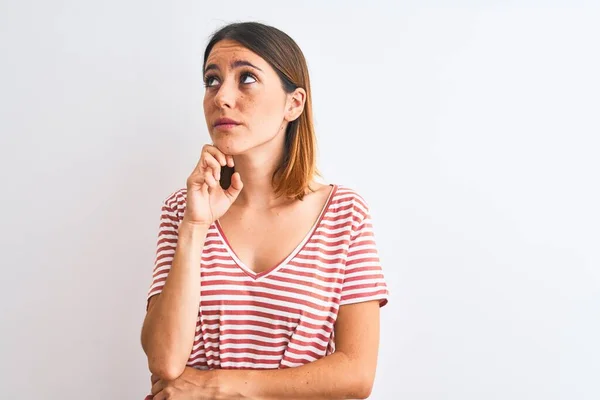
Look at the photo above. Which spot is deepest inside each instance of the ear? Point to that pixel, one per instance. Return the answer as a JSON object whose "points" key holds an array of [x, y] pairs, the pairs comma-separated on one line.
{"points": [[295, 104]]}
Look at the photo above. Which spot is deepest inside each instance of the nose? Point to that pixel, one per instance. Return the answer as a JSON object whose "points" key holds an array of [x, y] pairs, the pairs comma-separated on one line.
{"points": [[225, 96]]}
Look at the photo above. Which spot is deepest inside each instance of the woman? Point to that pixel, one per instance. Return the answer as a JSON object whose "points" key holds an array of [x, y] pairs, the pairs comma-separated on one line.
{"points": [[267, 284]]}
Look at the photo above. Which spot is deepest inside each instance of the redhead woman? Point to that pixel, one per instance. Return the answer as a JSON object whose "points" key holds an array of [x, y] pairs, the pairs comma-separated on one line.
{"points": [[267, 283]]}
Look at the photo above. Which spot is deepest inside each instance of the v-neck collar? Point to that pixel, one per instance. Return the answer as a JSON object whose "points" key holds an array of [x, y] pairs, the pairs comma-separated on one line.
{"points": [[307, 237]]}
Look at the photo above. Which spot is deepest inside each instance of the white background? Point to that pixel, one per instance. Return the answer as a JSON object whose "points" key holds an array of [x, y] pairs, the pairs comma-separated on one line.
{"points": [[471, 128]]}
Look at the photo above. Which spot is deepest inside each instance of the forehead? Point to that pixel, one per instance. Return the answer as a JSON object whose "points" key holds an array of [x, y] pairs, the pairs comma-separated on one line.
{"points": [[227, 51]]}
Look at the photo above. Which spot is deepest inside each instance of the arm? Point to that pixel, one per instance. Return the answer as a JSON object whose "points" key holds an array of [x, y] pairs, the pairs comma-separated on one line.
{"points": [[348, 373], [170, 323]]}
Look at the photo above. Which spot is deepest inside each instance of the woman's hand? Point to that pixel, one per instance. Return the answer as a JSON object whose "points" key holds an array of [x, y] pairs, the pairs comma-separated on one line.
{"points": [[193, 384], [206, 200]]}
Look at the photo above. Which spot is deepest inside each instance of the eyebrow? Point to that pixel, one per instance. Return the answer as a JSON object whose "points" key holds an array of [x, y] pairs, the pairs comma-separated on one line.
{"points": [[235, 64]]}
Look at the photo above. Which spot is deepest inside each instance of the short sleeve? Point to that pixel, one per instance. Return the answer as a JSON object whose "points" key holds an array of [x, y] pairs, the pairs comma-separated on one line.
{"points": [[165, 245], [363, 279]]}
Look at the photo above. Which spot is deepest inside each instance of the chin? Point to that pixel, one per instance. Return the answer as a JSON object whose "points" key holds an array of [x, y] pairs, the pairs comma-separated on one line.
{"points": [[227, 145]]}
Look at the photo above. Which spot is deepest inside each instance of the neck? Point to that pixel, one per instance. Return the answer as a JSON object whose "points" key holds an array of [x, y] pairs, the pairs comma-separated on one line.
{"points": [[256, 170]]}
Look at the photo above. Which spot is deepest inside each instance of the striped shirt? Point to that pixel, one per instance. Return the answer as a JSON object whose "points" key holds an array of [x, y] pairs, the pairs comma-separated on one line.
{"points": [[282, 317]]}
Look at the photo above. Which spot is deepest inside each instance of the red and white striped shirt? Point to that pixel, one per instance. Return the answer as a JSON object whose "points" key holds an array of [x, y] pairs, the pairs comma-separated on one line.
{"points": [[283, 317]]}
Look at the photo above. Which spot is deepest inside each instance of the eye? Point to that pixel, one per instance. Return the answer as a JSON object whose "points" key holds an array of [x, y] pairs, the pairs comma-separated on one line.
{"points": [[209, 80], [247, 75]]}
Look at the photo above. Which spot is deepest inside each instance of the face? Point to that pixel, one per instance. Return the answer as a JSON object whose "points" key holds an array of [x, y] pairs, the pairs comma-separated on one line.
{"points": [[245, 105]]}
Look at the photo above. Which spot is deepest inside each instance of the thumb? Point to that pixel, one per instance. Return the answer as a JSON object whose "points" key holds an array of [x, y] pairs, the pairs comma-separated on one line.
{"points": [[235, 188]]}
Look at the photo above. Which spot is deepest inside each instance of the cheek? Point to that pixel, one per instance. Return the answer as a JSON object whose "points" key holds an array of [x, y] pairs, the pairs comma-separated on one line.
{"points": [[206, 104], [266, 111]]}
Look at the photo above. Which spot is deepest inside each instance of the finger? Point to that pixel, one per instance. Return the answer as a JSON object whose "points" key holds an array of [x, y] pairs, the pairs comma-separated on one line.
{"points": [[230, 161], [154, 379], [160, 396], [217, 154], [195, 179], [236, 186], [200, 163], [157, 387], [210, 179], [213, 164]]}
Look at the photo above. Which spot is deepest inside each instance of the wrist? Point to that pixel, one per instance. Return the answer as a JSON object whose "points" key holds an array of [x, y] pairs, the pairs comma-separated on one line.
{"points": [[194, 224], [231, 384], [191, 233], [192, 227], [214, 385]]}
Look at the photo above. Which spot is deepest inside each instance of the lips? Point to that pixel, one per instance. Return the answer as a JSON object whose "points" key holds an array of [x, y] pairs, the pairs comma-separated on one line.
{"points": [[225, 121]]}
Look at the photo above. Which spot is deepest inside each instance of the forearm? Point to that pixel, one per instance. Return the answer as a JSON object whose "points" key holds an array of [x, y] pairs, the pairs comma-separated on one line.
{"points": [[169, 327], [333, 377]]}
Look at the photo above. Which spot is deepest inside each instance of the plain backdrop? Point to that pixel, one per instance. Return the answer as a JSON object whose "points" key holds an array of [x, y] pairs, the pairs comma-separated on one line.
{"points": [[471, 129]]}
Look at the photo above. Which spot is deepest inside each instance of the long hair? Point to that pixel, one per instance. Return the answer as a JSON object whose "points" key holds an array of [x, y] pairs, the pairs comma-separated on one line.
{"points": [[298, 166]]}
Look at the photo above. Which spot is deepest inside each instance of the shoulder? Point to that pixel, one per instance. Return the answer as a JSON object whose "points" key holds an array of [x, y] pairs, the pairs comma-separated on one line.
{"points": [[175, 201], [347, 198]]}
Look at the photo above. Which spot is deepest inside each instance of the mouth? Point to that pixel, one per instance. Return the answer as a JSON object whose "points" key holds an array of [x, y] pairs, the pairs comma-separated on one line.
{"points": [[225, 123]]}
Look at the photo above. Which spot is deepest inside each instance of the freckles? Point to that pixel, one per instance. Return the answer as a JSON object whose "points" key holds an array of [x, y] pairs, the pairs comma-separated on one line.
{"points": [[244, 103]]}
